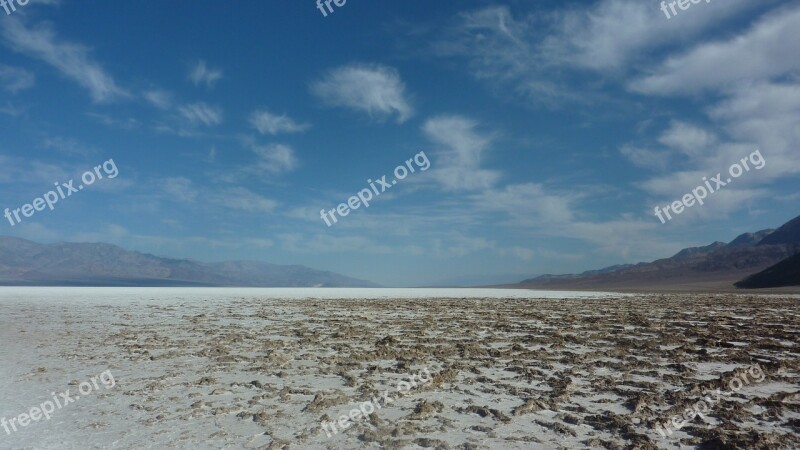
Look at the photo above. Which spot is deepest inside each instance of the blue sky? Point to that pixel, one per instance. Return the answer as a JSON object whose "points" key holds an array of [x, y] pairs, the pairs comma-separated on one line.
{"points": [[553, 129]]}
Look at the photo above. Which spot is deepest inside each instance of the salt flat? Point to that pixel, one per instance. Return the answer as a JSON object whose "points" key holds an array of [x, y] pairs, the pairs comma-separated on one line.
{"points": [[255, 368]]}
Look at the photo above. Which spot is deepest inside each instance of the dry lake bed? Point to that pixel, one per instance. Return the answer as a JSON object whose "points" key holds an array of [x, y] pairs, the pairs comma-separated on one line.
{"points": [[340, 369]]}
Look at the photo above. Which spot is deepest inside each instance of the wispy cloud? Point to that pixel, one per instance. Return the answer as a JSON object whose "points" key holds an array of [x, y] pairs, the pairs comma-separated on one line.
{"points": [[545, 57], [502, 50], [461, 153], [127, 123], [71, 59], [159, 98], [243, 199], [765, 52], [688, 139], [15, 79], [529, 202], [200, 73], [610, 34], [201, 113], [11, 110], [267, 123], [275, 158], [183, 191], [66, 145], [755, 105], [372, 89], [17, 170], [179, 189], [645, 157]]}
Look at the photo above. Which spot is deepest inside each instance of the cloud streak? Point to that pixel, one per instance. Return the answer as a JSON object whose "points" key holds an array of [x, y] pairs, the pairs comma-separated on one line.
{"points": [[71, 59], [201, 114], [267, 123], [200, 74]]}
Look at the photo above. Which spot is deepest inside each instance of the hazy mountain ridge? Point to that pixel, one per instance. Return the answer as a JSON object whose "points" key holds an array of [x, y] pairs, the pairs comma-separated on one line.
{"points": [[729, 262], [28, 263], [789, 233], [785, 273], [751, 238]]}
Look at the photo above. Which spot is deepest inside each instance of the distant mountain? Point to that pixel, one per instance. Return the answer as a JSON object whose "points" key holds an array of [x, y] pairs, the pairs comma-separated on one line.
{"points": [[785, 273], [751, 238], [582, 274], [789, 233], [712, 266], [24, 262], [695, 251]]}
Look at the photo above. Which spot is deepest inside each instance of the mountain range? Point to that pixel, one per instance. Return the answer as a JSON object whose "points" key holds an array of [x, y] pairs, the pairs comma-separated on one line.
{"points": [[27, 263], [767, 258]]}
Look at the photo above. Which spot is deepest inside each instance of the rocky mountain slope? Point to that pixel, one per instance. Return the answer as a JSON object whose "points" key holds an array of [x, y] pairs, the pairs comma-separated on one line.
{"points": [[716, 264]]}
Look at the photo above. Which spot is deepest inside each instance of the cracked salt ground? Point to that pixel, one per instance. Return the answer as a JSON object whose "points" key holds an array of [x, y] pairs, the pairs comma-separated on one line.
{"points": [[244, 370]]}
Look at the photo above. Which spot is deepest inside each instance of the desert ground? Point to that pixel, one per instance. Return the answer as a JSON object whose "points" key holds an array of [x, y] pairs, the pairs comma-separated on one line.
{"points": [[254, 373]]}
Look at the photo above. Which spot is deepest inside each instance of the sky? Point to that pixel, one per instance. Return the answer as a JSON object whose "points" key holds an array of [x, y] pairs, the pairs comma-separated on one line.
{"points": [[552, 130]]}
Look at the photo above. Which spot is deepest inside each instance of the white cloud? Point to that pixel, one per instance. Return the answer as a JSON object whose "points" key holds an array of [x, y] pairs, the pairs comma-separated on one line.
{"points": [[688, 139], [158, 98], [501, 49], [202, 74], [122, 123], [373, 89], [766, 51], [15, 79], [18, 170], [529, 202], [457, 245], [751, 77], [542, 55], [628, 236], [768, 100], [275, 158], [674, 184], [458, 165], [66, 145], [267, 123], [179, 189], [11, 110], [201, 113], [763, 116], [611, 33], [72, 60], [644, 157], [522, 253], [243, 199], [34, 231]]}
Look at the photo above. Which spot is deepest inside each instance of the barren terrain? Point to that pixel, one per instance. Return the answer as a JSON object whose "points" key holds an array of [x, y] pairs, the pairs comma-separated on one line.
{"points": [[249, 372]]}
